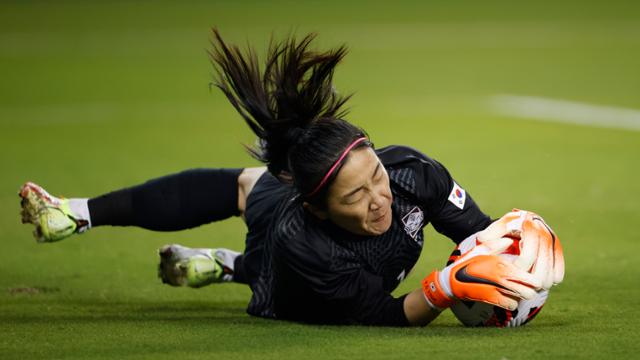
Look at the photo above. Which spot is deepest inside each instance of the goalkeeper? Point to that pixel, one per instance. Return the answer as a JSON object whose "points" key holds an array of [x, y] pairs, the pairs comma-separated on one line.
{"points": [[333, 225]]}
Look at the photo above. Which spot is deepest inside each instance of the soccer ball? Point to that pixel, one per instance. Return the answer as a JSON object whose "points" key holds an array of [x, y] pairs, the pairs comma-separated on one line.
{"points": [[479, 314], [473, 313]]}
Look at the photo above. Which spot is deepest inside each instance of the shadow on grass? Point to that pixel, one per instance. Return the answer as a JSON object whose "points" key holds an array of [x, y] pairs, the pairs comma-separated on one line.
{"points": [[210, 313], [200, 328]]}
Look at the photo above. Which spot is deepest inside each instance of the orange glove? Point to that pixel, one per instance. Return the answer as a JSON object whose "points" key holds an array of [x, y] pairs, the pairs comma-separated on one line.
{"points": [[480, 275], [539, 248]]}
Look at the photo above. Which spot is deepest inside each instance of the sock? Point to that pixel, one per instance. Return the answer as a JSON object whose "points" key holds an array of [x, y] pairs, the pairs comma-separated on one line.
{"points": [[80, 210], [170, 203], [227, 258]]}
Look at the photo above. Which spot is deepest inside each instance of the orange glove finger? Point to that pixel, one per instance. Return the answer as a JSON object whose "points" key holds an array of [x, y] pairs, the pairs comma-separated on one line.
{"points": [[558, 262], [536, 254], [540, 251], [489, 247], [529, 247], [555, 248], [507, 225], [555, 254], [544, 265]]}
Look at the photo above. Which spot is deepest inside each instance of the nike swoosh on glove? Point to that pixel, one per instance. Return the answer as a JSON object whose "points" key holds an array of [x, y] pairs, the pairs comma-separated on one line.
{"points": [[481, 275]]}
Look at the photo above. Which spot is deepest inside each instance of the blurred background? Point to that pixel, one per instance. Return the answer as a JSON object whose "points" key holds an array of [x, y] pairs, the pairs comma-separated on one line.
{"points": [[533, 104]]}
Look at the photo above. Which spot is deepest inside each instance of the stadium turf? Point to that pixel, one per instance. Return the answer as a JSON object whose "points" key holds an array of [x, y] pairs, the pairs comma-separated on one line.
{"points": [[99, 95]]}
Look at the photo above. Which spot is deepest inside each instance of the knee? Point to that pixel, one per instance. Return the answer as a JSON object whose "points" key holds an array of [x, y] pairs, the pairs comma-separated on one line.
{"points": [[246, 182]]}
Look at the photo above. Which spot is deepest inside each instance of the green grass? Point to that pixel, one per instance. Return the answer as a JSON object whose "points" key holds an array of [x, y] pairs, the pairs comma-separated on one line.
{"points": [[95, 97]]}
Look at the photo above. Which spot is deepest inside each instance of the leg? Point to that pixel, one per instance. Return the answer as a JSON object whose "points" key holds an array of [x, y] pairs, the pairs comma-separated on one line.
{"points": [[199, 267], [181, 266], [261, 205], [195, 267], [170, 203], [246, 181], [174, 202]]}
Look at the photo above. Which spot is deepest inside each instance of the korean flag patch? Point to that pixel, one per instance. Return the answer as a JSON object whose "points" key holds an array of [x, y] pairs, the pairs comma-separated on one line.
{"points": [[458, 196]]}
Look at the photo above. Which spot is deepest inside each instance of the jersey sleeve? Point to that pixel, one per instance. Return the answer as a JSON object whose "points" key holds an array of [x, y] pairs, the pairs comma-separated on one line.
{"points": [[314, 284], [360, 296], [452, 210]]}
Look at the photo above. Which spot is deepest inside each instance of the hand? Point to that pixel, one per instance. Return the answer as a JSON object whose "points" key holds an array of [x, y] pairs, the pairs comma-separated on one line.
{"points": [[480, 275], [539, 250]]}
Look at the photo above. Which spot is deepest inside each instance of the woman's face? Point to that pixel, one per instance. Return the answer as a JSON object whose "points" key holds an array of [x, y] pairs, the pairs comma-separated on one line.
{"points": [[359, 199]]}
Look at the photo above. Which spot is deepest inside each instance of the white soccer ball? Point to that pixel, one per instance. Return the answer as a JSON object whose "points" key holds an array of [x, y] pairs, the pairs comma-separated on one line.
{"points": [[474, 313]]}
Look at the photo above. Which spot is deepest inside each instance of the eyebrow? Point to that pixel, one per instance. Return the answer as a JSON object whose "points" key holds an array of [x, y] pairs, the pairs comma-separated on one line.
{"points": [[352, 192]]}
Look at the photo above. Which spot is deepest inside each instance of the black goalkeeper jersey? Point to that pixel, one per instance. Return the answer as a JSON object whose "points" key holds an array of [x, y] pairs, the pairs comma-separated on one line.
{"points": [[314, 271]]}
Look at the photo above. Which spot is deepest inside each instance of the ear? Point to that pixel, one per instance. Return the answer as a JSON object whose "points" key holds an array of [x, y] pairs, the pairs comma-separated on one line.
{"points": [[285, 177], [320, 214]]}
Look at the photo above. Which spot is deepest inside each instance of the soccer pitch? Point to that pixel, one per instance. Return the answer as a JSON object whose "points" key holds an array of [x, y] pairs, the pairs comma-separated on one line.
{"points": [[98, 96]]}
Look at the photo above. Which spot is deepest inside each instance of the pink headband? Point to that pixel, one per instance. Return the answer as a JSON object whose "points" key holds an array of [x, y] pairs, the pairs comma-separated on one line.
{"points": [[335, 165]]}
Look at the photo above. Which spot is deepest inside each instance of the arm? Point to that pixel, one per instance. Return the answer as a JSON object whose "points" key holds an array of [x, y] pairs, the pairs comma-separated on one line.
{"points": [[310, 292], [358, 296], [417, 310], [478, 275], [454, 213]]}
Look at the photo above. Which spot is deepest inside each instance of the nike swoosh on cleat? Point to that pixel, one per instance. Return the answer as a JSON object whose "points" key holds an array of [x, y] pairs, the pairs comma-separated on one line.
{"points": [[463, 276]]}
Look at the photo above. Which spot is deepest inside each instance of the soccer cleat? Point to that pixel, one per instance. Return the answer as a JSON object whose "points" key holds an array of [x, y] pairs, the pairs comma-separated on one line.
{"points": [[52, 217], [183, 266]]}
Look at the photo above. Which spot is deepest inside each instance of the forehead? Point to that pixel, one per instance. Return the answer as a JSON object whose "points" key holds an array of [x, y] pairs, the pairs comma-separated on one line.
{"points": [[356, 170]]}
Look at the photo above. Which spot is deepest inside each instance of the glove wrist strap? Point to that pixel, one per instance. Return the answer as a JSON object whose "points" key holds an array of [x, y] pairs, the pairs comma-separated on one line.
{"points": [[434, 293]]}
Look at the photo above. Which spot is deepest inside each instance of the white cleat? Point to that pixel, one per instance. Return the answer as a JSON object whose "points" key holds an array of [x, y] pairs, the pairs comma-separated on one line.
{"points": [[195, 267], [51, 216]]}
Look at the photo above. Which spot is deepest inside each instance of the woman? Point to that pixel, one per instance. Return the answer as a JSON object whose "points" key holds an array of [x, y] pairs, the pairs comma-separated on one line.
{"points": [[333, 225]]}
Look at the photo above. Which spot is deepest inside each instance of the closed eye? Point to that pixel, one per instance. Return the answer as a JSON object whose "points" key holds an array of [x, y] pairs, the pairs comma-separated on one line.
{"points": [[376, 177]]}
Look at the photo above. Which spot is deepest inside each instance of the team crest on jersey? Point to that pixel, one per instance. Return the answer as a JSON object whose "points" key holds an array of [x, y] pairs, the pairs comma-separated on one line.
{"points": [[413, 222], [458, 196]]}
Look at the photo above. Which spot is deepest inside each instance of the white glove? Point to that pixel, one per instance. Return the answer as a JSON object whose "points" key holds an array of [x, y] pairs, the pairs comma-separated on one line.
{"points": [[539, 250]]}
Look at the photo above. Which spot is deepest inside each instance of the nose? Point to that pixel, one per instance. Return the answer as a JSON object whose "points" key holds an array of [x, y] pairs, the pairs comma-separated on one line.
{"points": [[377, 200]]}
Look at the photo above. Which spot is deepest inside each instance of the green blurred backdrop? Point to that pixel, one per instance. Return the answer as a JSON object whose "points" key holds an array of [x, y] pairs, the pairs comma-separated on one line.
{"points": [[97, 95]]}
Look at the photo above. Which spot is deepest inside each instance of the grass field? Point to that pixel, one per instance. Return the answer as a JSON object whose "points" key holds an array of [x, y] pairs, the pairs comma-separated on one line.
{"points": [[97, 96]]}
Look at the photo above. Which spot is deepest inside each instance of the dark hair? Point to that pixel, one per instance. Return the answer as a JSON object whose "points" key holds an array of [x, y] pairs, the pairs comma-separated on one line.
{"points": [[292, 107]]}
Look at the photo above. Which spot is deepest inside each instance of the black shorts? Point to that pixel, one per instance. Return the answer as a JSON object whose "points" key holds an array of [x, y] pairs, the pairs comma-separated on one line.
{"points": [[262, 201]]}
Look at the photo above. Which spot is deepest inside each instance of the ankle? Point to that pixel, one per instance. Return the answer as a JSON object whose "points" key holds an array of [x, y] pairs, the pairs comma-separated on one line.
{"points": [[79, 208]]}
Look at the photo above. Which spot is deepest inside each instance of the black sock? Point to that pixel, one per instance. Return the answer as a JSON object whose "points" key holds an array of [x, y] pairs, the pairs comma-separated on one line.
{"points": [[173, 202]]}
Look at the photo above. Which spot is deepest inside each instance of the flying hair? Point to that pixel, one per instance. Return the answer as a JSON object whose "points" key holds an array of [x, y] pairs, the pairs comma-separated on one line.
{"points": [[279, 104]]}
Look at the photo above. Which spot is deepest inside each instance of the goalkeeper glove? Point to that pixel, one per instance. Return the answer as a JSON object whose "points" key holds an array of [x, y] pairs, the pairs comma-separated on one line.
{"points": [[480, 275], [539, 250]]}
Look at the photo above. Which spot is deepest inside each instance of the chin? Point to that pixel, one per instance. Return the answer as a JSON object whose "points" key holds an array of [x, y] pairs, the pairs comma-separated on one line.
{"points": [[379, 229], [379, 232]]}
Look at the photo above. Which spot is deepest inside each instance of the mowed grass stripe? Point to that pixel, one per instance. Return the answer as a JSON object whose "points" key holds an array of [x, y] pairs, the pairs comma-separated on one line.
{"points": [[421, 72], [563, 111]]}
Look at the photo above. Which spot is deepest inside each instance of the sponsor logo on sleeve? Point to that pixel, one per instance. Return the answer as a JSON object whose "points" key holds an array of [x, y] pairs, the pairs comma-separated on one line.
{"points": [[458, 196]]}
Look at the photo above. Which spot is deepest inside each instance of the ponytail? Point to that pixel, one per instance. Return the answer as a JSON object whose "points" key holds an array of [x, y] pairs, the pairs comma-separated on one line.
{"points": [[293, 93]]}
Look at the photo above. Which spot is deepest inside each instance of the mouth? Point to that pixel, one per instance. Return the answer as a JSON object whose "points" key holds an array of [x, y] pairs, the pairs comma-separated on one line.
{"points": [[377, 220]]}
